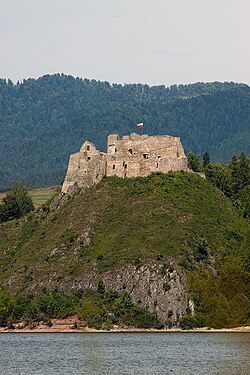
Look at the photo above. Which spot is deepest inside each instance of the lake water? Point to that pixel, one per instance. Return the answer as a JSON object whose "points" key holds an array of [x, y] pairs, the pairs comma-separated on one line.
{"points": [[125, 353]]}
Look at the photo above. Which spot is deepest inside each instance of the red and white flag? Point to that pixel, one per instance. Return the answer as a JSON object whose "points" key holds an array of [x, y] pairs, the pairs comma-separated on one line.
{"points": [[140, 126]]}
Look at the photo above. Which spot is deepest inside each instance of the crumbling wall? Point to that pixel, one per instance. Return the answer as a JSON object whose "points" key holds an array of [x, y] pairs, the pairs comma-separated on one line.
{"points": [[86, 168], [132, 155]]}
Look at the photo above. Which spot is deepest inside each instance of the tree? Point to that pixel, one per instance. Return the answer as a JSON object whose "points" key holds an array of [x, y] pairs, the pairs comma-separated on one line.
{"points": [[240, 169], [220, 177], [16, 203], [206, 159], [234, 166], [244, 171], [243, 201], [194, 162]]}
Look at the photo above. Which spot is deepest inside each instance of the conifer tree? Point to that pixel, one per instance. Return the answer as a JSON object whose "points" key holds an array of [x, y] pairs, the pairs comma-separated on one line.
{"points": [[206, 159], [194, 162], [243, 171]]}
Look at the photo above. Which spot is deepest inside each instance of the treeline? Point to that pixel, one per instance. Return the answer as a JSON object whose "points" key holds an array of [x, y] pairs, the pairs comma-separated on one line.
{"points": [[97, 308], [232, 179], [43, 121]]}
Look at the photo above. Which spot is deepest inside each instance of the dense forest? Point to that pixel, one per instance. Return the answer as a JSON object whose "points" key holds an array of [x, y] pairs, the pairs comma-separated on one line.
{"points": [[44, 120]]}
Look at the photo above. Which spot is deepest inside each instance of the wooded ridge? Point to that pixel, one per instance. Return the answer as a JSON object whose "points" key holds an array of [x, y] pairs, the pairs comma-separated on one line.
{"points": [[43, 121]]}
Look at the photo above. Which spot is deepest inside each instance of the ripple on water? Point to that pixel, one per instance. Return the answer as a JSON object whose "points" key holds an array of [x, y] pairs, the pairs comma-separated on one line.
{"points": [[124, 353]]}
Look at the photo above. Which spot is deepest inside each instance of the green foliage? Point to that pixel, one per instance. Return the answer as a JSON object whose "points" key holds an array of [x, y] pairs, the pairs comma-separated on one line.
{"points": [[92, 311], [192, 321], [97, 310], [55, 114], [46, 305], [194, 162], [187, 322], [223, 299], [233, 180], [240, 172], [101, 288], [135, 221], [140, 318], [220, 176], [16, 203], [201, 250], [243, 201], [206, 160]]}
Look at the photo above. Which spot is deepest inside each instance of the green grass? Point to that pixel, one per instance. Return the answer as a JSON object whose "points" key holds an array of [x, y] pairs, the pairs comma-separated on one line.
{"points": [[126, 220], [41, 197]]}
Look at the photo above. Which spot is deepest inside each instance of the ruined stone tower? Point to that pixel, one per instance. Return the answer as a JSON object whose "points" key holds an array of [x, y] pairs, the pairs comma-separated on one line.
{"points": [[130, 156]]}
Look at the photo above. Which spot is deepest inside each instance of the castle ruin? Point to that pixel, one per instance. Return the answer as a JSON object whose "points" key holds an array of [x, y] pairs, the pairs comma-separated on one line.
{"points": [[130, 156]]}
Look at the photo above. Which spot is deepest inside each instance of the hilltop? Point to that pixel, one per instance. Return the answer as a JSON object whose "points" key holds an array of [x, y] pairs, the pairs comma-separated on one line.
{"points": [[44, 120], [165, 239]]}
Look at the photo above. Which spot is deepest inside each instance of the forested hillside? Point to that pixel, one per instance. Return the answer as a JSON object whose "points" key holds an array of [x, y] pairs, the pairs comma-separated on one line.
{"points": [[43, 120]]}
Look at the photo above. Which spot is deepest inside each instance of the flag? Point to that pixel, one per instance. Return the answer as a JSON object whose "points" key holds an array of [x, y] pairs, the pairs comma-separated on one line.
{"points": [[140, 126]]}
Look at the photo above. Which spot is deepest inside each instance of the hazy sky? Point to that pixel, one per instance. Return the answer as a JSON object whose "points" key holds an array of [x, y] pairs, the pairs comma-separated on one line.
{"points": [[124, 41]]}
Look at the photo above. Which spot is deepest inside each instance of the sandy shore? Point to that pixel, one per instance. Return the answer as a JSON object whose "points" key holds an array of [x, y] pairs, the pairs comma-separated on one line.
{"points": [[56, 329]]}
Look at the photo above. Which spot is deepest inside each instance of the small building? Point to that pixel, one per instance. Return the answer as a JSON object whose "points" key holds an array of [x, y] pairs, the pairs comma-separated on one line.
{"points": [[132, 155]]}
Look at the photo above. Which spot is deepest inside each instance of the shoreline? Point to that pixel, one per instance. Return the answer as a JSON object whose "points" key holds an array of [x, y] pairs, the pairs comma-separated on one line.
{"points": [[72, 324], [67, 329]]}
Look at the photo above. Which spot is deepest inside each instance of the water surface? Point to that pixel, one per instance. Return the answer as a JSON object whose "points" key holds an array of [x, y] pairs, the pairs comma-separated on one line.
{"points": [[125, 353]]}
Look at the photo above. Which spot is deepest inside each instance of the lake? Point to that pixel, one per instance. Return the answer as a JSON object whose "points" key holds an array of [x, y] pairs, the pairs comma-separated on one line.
{"points": [[125, 353]]}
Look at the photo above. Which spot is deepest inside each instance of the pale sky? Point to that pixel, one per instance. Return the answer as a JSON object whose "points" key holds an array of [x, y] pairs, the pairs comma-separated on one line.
{"points": [[126, 41]]}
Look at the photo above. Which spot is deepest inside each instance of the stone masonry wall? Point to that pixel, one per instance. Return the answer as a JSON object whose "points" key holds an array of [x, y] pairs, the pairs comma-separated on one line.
{"points": [[130, 156], [86, 167], [136, 155]]}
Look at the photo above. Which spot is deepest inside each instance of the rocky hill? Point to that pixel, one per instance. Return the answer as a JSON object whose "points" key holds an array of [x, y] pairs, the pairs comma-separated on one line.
{"points": [[173, 242]]}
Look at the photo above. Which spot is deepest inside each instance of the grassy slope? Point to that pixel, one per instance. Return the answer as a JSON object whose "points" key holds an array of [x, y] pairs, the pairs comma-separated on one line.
{"points": [[128, 219]]}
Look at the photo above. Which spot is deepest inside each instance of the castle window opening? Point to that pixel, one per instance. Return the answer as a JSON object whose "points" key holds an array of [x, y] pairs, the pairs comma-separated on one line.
{"points": [[89, 157], [125, 166], [130, 150], [115, 149], [145, 156], [159, 156], [178, 154], [88, 147], [157, 165], [113, 166]]}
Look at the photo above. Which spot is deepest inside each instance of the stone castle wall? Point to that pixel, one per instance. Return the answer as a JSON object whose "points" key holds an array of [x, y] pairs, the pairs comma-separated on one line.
{"points": [[130, 156], [86, 168], [135, 155]]}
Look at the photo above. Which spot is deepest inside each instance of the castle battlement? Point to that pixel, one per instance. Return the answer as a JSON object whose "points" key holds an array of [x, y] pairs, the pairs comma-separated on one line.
{"points": [[132, 155]]}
